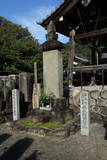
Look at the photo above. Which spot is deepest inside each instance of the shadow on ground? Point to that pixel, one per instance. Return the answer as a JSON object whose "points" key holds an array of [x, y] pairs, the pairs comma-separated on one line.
{"points": [[33, 156], [4, 137], [105, 126], [16, 150]]}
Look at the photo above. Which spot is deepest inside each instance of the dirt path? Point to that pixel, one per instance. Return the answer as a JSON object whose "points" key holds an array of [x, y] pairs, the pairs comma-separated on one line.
{"points": [[14, 146]]}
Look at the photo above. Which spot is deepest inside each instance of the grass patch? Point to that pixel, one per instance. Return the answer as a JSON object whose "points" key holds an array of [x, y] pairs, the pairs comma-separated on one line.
{"points": [[28, 123], [50, 125]]}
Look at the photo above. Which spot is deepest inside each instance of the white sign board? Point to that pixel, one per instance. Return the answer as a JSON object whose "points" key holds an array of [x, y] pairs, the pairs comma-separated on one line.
{"points": [[85, 113], [15, 104]]}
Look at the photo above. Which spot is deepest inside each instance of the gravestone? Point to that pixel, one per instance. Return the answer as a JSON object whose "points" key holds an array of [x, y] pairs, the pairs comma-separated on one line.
{"points": [[7, 90], [15, 104], [52, 63], [84, 110], [14, 81], [24, 86], [53, 73]]}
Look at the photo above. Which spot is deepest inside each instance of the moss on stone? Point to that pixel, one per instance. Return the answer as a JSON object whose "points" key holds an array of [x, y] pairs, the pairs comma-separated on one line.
{"points": [[50, 125]]}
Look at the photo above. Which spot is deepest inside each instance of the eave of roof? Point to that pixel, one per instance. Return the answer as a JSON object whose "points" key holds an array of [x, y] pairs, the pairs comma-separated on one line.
{"points": [[60, 11], [81, 18]]}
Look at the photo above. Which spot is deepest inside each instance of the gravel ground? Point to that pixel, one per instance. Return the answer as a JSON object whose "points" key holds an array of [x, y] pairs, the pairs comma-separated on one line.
{"points": [[15, 146]]}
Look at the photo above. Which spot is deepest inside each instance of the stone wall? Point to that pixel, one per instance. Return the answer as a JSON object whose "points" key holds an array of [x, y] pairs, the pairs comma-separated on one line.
{"points": [[98, 101]]}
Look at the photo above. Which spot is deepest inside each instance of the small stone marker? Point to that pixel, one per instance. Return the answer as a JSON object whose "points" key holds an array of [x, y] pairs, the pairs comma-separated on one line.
{"points": [[84, 110], [15, 104], [25, 86]]}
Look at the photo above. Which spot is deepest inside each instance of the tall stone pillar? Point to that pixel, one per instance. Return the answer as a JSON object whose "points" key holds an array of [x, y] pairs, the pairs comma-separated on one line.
{"points": [[53, 73], [52, 64]]}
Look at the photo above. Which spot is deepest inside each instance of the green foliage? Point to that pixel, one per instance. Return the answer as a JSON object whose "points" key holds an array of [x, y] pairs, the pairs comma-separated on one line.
{"points": [[18, 49], [44, 99], [50, 125], [65, 53], [83, 50]]}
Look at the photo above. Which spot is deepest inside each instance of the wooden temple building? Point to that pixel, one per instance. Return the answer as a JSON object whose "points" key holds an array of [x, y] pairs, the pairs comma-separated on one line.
{"points": [[84, 21]]}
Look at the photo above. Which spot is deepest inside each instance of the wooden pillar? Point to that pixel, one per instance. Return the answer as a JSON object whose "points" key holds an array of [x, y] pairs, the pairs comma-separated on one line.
{"points": [[35, 75], [93, 62], [71, 57], [36, 89]]}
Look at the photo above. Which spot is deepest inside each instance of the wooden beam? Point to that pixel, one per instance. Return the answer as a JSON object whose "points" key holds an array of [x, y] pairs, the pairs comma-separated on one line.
{"points": [[61, 11], [65, 10], [91, 34], [71, 56], [89, 68]]}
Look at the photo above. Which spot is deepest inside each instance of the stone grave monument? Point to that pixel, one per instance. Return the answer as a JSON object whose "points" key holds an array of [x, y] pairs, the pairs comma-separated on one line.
{"points": [[52, 63], [15, 104], [84, 112]]}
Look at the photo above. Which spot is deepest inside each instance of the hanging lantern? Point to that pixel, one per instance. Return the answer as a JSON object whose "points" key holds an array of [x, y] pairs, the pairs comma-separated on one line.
{"points": [[85, 2]]}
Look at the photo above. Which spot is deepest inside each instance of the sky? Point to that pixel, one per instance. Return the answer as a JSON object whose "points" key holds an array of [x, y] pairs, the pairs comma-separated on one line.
{"points": [[27, 12]]}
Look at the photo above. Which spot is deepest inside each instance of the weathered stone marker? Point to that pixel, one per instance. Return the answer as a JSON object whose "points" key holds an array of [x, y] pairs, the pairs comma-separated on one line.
{"points": [[25, 86], [52, 63], [84, 110], [15, 104], [53, 73]]}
